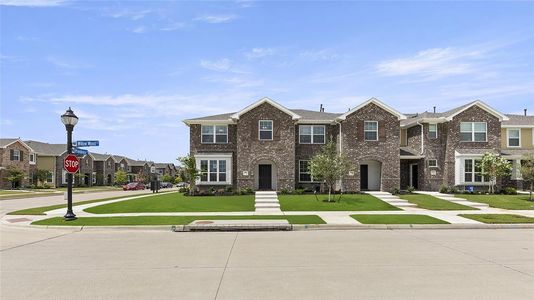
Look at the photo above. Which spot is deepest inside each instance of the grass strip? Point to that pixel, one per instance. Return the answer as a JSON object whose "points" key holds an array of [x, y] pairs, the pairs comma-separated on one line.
{"points": [[499, 218], [348, 202], [517, 202], [397, 219], [433, 203], [42, 209]]}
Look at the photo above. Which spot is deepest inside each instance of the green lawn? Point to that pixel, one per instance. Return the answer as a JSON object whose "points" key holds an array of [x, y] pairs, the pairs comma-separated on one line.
{"points": [[349, 202], [498, 218], [433, 203], [517, 202], [170, 220], [397, 219], [177, 202], [42, 209]]}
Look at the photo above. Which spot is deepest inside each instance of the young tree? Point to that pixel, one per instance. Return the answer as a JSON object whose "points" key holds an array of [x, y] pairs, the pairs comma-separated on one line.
{"points": [[189, 166], [14, 175], [329, 166], [121, 177], [527, 171], [493, 167], [41, 175], [167, 178]]}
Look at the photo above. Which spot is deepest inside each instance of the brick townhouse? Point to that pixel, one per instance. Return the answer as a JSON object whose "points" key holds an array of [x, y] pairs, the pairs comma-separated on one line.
{"points": [[267, 146]]}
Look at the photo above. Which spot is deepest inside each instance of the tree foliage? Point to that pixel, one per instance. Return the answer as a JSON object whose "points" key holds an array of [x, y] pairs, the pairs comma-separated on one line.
{"points": [[167, 178], [14, 175], [329, 166], [41, 175], [493, 167], [527, 171], [121, 177], [189, 166]]}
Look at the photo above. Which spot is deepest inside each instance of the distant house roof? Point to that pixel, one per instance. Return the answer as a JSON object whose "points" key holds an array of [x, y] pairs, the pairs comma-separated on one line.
{"points": [[118, 158], [46, 149], [519, 120], [6, 142], [100, 157], [161, 165]]}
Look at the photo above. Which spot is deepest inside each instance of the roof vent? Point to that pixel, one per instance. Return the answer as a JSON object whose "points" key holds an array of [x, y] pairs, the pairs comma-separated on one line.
{"points": [[434, 109], [321, 108], [525, 112]]}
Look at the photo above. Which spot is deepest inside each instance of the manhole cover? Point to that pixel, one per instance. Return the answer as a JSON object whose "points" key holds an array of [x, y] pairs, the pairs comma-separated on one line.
{"points": [[204, 222], [18, 220]]}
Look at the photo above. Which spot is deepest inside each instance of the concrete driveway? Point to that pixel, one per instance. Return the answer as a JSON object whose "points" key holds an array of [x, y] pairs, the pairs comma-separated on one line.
{"points": [[357, 264]]}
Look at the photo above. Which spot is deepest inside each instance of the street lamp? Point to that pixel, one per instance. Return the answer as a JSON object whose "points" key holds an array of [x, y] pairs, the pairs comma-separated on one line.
{"points": [[69, 119]]}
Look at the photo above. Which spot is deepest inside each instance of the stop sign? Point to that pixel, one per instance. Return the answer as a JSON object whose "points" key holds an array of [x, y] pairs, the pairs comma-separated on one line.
{"points": [[71, 163]]}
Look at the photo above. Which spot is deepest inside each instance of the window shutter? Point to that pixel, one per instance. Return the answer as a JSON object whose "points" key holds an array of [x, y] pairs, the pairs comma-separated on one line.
{"points": [[276, 132], [381, 131], [359, 128], [11, 154], [21, 155]]}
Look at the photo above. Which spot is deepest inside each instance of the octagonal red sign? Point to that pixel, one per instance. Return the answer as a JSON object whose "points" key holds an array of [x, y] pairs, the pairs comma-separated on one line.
{"points": [[71, 163]]}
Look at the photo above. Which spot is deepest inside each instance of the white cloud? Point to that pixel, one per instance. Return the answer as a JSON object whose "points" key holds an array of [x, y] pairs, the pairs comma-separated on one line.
{"points": [[140, 29], [322, 54], [215, 19], [33, 3], [173, 26], [432, 63], [217, 65], [129, 14], [66, 64], [6, 122], [260, 52]]}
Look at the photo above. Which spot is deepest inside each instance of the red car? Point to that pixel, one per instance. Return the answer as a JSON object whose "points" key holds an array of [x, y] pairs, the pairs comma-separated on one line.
{"points": [[132, 186]]}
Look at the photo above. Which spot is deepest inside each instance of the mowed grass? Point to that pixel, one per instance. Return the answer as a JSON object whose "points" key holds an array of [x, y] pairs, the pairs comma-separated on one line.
{"points": [[517, 202], [169, 220], [177, 202], [42, 209], [349, 202], [433, 203], [498, 218], [397, 219]]}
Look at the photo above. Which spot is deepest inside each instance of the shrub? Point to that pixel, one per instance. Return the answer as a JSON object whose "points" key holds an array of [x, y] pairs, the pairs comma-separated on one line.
{"points": [[299, 191], [229, 189], [395, 191], [284, 191], [444, 189], [249, 191], [509, 191], [410, 189], [183, 189]]}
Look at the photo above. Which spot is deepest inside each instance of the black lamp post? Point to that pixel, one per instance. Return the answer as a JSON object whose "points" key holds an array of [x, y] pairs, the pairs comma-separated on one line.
{"points": [[69, 119]]}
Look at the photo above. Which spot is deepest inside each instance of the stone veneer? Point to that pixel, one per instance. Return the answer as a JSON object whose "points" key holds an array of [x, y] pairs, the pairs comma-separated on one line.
{"points": [[5, 161], [385, 150]]}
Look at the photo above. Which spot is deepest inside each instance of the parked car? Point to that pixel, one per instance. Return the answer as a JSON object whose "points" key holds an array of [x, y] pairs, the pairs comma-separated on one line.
{"points": [[182, 184], [164, 185], [133, 186]]}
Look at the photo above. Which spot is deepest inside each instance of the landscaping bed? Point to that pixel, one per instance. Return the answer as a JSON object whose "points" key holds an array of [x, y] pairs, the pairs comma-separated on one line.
{"points": [[499, 218], [397, 219], [170, 220], [513, 202], [349, 202], [433, 203], [177, 202]]}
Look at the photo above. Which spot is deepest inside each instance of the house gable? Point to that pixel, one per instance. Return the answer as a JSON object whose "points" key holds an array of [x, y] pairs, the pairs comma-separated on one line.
{"points": [[378, 103], [481, 105], [280, 107]]}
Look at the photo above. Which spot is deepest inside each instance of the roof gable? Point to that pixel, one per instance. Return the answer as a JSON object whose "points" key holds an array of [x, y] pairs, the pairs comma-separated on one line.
{"points": [[377, 103], [293, 115], [480, 104], [4, 143]]}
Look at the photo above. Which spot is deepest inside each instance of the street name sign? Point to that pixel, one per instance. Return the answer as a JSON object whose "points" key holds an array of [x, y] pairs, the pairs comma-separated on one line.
{"points": [[79, 151], [87, 143], [71, 163]]}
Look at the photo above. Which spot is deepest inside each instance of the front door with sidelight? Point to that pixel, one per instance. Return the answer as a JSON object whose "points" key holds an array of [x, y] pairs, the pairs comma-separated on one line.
{"points": [[265, 177]]}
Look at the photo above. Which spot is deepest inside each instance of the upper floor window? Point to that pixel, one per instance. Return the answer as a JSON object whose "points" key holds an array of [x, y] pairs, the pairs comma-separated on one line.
{"points": [[16, 155], [433, 131], [370, 130], [514, 137], [311, 134], [32, 158], [473, 131], [265, 130], [304, 171], [214, 134], [472, 172]]}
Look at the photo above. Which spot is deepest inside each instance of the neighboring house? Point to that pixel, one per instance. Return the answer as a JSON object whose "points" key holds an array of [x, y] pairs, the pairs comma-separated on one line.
{"points": [[15, 153], [517, 139], [47, 159], [104, 168], [268, 146], [161, 169], [139, 170]]}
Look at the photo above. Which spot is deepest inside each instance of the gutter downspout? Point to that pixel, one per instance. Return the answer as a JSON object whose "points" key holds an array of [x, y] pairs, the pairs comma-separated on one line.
{"points": [[422, 138]]}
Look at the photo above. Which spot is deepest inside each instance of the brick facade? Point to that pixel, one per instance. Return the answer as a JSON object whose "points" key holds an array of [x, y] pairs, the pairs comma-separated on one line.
{"points": [[23, 164]]}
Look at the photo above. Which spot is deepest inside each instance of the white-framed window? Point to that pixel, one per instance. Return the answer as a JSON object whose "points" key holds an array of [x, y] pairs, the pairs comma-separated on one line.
{"points": [[433, 131], [50, 177], [304, 171], [16, 155], [214, 169], [370, 130], [94, 177], [311, 134], [472, 172], [33, 158], [473, 132], [214, 134], [514, 137], [122, 166], [265, 129], [433, 163]]}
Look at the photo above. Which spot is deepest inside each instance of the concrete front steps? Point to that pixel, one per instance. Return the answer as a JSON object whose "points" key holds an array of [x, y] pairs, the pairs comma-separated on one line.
{"points": [[392, 199], [453, 199], [267, 202]]}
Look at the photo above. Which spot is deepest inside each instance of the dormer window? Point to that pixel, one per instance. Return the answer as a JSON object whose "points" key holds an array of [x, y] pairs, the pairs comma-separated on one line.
{"points": [[265, 130], [214, 134]]}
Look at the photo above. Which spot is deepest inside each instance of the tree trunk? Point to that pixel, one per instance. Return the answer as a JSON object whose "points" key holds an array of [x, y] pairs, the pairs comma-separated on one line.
{"points": [[530, 195], [329, 191]]}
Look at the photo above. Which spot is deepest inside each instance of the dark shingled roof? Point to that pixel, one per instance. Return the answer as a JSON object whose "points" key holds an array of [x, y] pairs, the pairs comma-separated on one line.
{"points": [[100, 157], [47, 149], [5, 142], [305, 114], [519, 120]]}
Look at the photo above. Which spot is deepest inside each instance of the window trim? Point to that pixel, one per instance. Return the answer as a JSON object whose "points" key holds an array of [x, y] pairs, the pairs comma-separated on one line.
{"points": [[311, 176], [430, 131], [34, 161], [473, 173], [312, 134], [364, 138], [17, 156], [473, 132], [434, 160], [217, 157], [508, 137], [260, 130], [214, 135]]}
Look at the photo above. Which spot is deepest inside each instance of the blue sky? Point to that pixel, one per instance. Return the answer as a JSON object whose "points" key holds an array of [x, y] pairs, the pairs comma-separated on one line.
{"points": [[133, 70]]}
